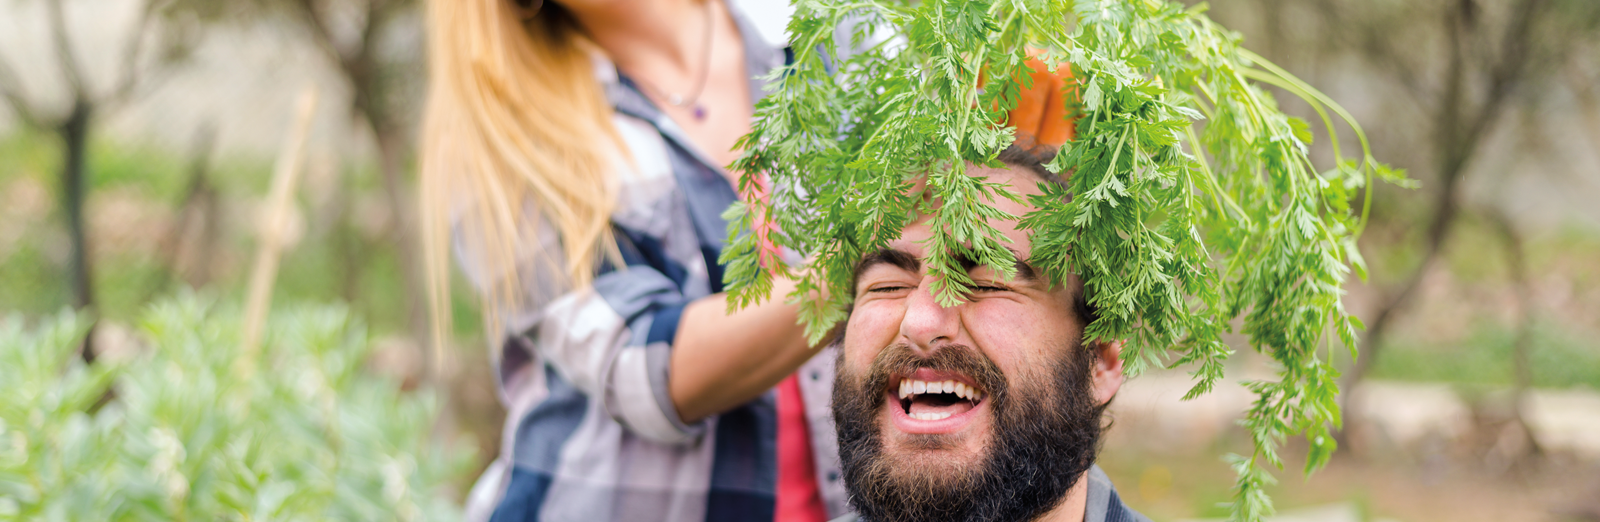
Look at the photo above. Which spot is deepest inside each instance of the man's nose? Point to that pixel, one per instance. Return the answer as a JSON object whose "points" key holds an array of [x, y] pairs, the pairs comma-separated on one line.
{"points": [[926, 324]]}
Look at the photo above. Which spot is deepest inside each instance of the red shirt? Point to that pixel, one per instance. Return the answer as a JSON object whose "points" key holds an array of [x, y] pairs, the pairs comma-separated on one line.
{"points": [[799, 498]]}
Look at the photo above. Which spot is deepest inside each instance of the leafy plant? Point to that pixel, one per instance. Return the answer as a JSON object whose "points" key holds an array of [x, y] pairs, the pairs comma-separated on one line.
{"points": [[194, 431], [1194, 201]]}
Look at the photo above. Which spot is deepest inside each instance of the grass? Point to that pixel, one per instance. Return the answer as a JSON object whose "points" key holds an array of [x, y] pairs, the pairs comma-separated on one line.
{"points": [[1559, 358], [153, 172], [33, 283], [1466, 335]]}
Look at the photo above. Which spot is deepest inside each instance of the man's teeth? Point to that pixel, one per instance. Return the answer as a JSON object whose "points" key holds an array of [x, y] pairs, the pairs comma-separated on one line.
{"points": [[909, 387]]}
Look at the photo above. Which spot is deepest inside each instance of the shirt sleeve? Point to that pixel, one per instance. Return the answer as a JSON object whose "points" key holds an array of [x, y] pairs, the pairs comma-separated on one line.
{"points": [[612, 340]]}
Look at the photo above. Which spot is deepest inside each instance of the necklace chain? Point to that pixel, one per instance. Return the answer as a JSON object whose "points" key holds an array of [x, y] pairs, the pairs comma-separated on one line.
{"points": [[678, 100]]}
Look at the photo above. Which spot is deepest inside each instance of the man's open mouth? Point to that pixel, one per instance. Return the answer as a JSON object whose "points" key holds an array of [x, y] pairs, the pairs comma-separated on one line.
{"points": [[935, 399]]}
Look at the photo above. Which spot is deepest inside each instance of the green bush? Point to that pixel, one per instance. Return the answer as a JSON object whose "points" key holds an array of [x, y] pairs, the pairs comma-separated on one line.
{"points": [[190, 430]]}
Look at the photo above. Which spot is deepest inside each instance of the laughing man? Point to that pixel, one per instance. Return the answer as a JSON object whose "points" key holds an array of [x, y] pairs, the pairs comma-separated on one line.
{"points": [[990, 410]]}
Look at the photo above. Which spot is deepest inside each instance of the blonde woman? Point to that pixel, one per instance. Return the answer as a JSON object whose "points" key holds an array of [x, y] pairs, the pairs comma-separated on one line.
{"points": [[572, 164]]}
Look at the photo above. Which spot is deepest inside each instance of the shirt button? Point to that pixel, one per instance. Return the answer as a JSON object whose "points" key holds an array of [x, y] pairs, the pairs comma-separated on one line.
{"points": [[816, 375], [833, 475]]}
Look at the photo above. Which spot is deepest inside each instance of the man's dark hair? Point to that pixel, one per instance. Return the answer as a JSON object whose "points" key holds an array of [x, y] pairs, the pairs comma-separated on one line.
{"points": [[1033, 160]]}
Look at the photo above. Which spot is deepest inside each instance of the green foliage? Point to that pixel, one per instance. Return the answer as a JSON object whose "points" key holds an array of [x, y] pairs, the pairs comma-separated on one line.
{"points": [[321, 270], [195, 432], [1480, 357], [1173, 246]]}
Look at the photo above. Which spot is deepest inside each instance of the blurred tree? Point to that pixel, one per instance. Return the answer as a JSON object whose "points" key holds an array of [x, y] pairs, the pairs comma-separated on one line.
{"points": [[358, 37], [1583, 78], [195, 230], [1462, 65], [152, 47]]}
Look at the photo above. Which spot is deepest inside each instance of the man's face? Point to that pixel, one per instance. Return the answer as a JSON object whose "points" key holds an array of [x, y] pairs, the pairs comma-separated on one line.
{"points": [[1020, 422]]}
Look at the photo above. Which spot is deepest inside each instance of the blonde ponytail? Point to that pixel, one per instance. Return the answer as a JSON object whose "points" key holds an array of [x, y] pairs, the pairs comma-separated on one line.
{"points": [[515, 118]]}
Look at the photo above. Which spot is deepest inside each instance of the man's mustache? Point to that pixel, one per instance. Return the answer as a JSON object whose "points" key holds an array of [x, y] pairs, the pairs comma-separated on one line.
{"points": [[901, 359]]}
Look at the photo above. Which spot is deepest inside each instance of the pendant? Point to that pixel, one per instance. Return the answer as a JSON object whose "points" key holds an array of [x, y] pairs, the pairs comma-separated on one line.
{"points": [[699, 112]]}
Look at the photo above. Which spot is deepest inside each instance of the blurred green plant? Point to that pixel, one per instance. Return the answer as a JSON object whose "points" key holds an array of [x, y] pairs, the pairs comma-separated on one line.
{"points": [[1560, 358], [308, 435]]}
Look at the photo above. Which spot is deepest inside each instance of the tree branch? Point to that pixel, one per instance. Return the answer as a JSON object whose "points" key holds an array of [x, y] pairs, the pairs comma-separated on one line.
{"points": [[323, 34], [11, 89], [63, 48], [1374, 45], [1510, 70], [131, 51], [362, 67], [1452, 105], [1454, 146], [1588, 98]]}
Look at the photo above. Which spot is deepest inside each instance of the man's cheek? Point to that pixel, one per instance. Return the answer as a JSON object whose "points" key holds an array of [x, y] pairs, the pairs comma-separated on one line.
{"points": [[1013, 338], [999, 337], [870, 329]]}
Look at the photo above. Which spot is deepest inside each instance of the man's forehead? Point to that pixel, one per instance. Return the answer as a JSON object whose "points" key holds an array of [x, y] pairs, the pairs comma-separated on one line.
{"points": [[908, 251], [1014, 180]]}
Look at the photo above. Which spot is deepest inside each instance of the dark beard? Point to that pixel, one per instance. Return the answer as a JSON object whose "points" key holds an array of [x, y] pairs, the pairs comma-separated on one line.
{"points": [[1045, 437]]}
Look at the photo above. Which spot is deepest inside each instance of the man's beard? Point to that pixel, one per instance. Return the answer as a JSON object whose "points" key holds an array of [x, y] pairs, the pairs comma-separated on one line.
{"points": [[1045, 436]]}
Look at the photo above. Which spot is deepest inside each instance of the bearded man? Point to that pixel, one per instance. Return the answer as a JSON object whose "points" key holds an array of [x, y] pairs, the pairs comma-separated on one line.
{"points": [[989, 410]]}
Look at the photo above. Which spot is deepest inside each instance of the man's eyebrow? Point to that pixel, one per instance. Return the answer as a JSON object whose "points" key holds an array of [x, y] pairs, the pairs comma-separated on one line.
{"points": [[905, 261], [899, 258], [1025, 269]]}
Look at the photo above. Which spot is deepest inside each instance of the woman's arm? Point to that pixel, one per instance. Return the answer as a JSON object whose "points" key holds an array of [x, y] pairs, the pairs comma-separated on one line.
{"points": [[720, 361]]}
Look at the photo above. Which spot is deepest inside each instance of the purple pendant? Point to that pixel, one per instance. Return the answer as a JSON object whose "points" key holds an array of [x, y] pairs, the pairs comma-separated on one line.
{"points": [[699, 112]]}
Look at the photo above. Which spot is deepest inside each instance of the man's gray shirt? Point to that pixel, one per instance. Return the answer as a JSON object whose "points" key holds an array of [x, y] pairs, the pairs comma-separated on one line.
{"points": [[1103, 504]]}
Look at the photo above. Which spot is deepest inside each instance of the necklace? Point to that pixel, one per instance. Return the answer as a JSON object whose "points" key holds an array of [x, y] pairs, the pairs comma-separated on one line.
{"points": [[692, 100]]}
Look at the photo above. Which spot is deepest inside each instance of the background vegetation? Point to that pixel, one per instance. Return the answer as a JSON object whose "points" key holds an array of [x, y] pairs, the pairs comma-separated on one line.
{"points": [[191, 427], [1506, 297]]}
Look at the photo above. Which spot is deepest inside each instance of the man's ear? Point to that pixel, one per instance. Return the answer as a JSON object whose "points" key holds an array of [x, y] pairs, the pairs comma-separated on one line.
{"points": [[1105, 373]]}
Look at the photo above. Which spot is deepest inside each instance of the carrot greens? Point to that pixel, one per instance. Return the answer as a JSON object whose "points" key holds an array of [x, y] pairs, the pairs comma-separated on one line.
{"points": [[1196, 209]]}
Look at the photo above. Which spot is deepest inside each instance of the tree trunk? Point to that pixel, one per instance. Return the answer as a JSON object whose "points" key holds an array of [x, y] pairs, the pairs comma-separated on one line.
{"points": [[1453, 149], [352, 256], [1522, 346], [1459, 128], [391, 161], [1584, 89], [74, 133], [361, 68], [193, 210], [1447, 207]]}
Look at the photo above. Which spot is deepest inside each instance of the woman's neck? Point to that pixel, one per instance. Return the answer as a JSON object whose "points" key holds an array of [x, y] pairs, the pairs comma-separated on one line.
{"points": [[662, 33], [694, 72]]}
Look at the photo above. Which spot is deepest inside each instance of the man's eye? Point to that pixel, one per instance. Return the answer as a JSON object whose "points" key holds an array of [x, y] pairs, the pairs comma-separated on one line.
{"points": [[988, 288], [887, 289]]}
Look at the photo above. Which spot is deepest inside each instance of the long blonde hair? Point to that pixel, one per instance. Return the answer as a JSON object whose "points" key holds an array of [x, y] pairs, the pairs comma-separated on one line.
{"points": [[514, 117]]}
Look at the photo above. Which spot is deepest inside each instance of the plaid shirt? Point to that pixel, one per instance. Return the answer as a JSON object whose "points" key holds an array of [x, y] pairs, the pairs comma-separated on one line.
{"points": [[591, 433]]}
